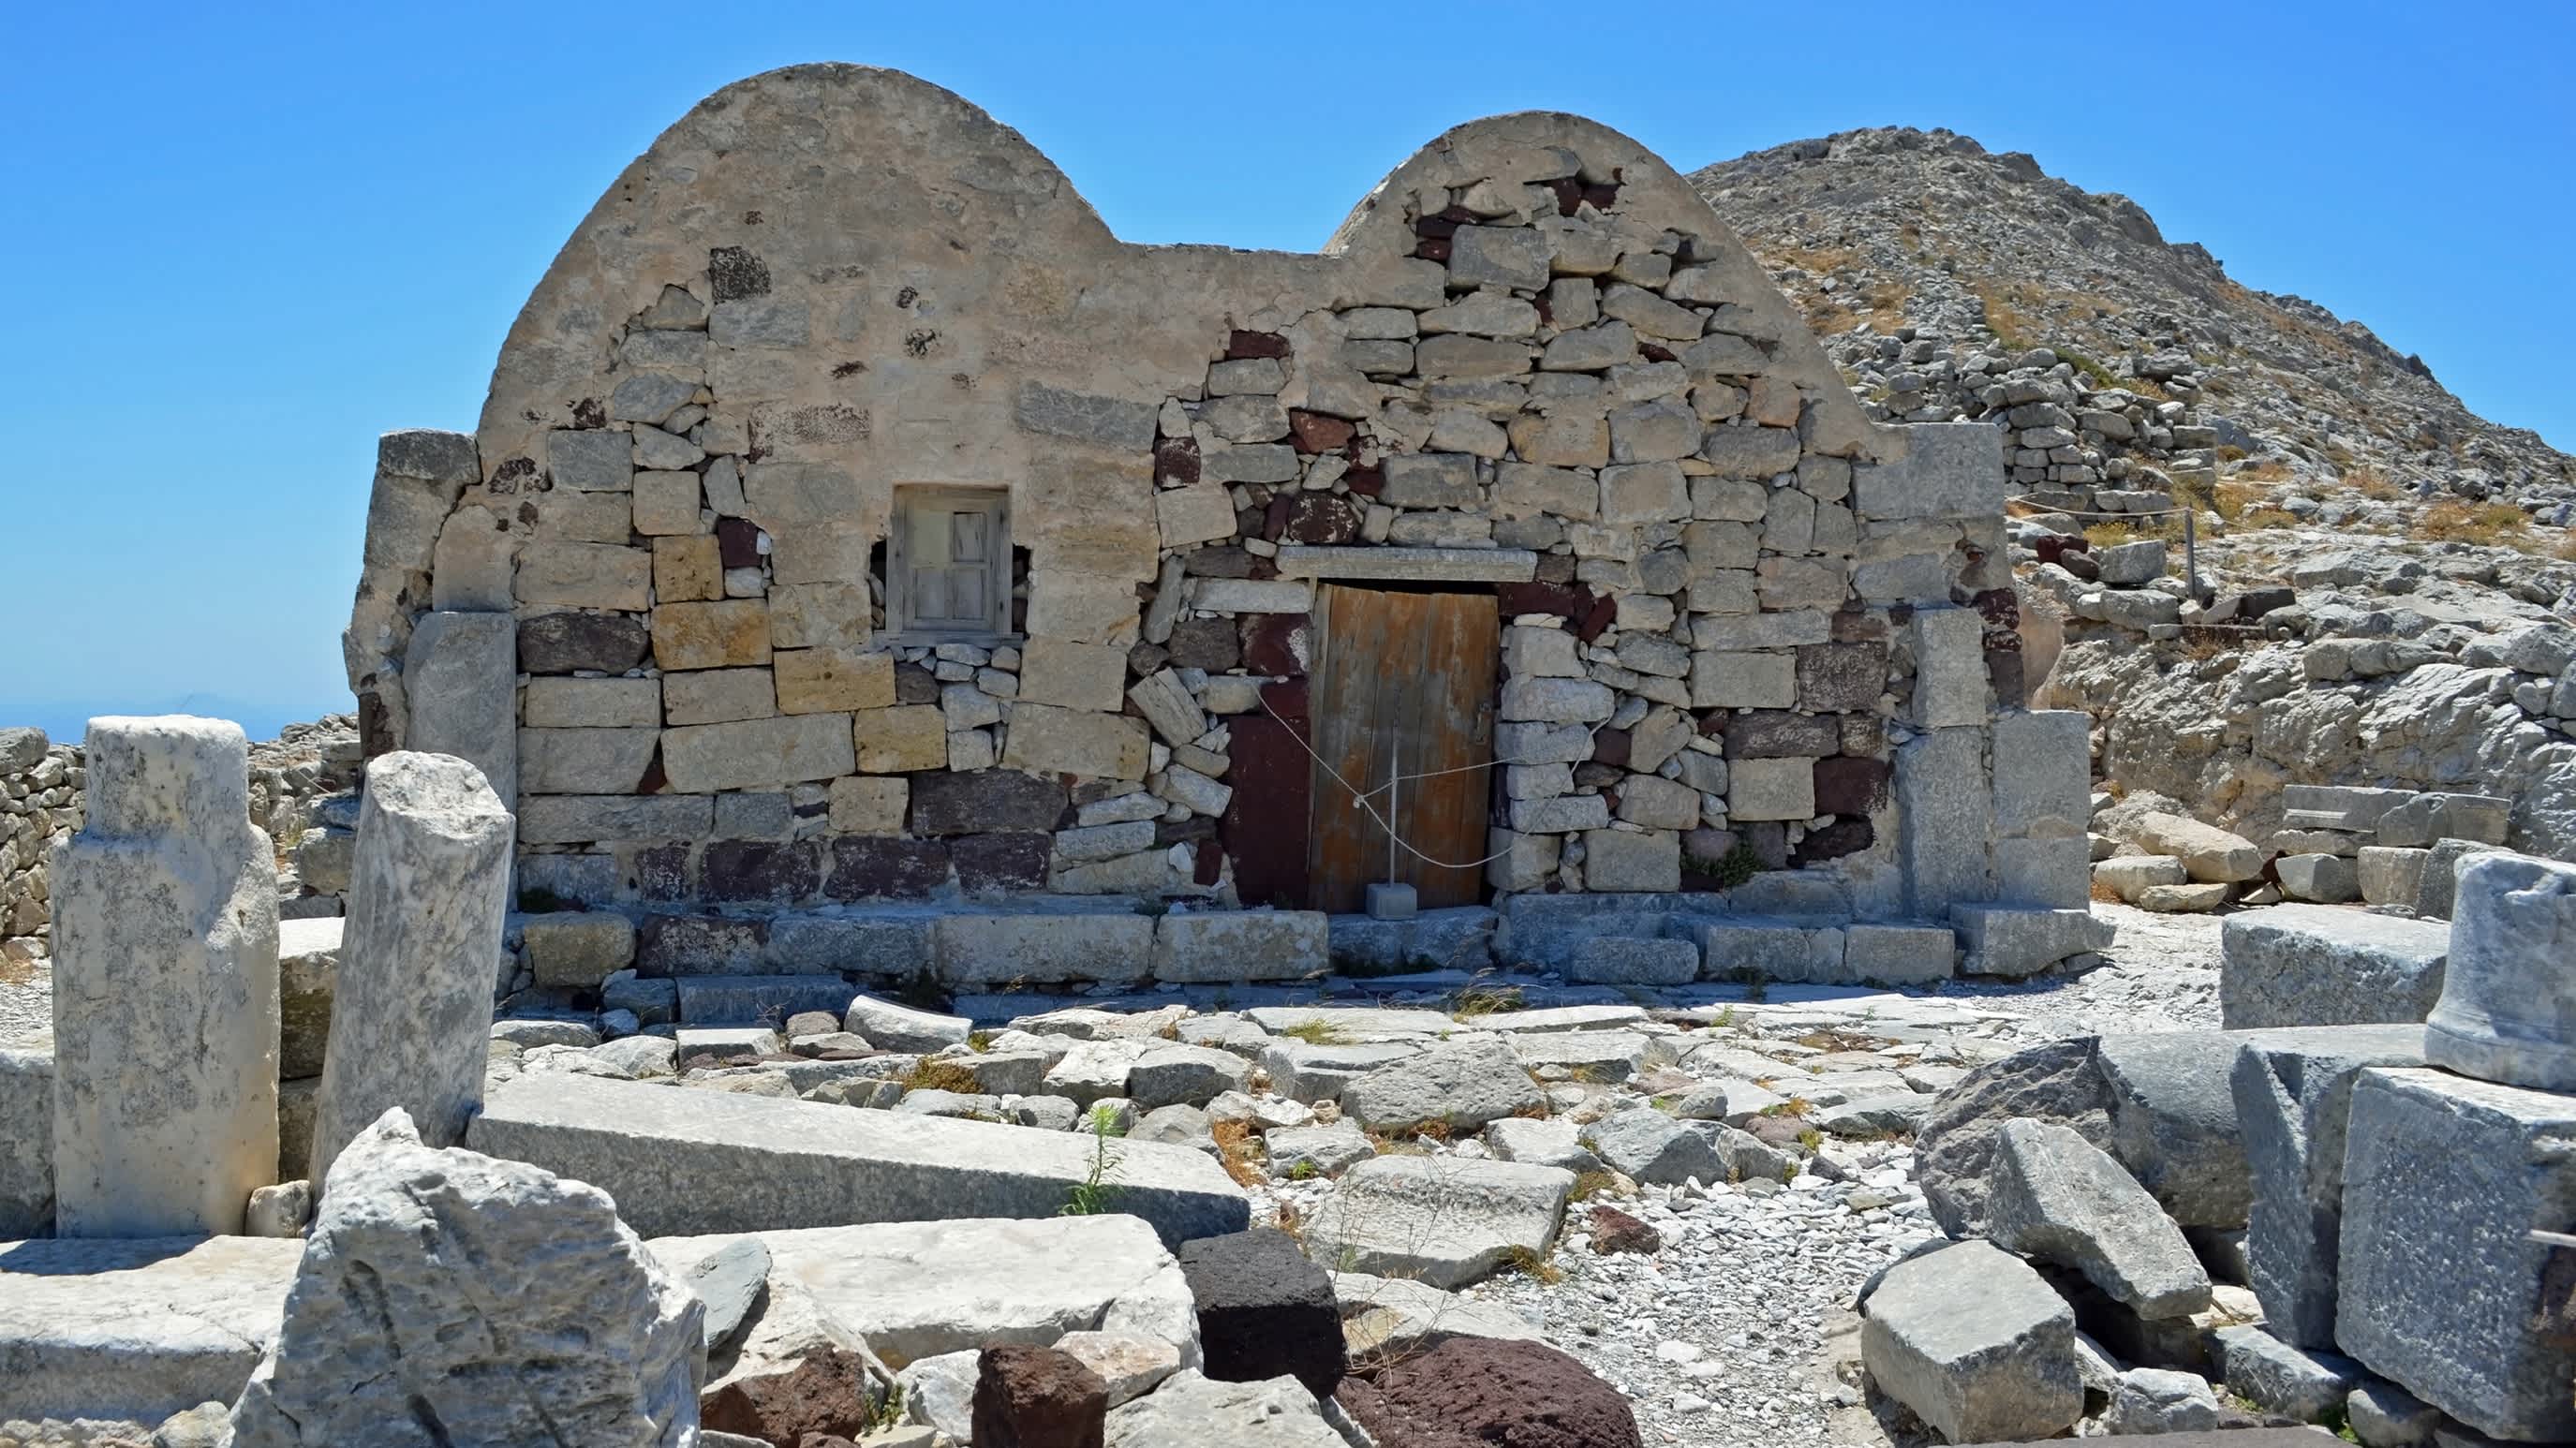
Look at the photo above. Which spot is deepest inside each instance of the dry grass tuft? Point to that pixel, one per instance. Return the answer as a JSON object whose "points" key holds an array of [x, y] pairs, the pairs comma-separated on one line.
{"points": [[2498, 525], [929, 1075], [1238, 1150]]}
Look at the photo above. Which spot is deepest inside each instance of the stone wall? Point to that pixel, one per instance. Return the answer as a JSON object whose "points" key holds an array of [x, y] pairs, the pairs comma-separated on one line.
{"points": [[40, 801], [1531, 362], [292, 779]]}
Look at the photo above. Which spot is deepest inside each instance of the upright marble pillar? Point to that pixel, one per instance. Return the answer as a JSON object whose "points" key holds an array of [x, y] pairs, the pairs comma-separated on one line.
{"points": [[2508, 1007], [165, 987], [411, 1013]]}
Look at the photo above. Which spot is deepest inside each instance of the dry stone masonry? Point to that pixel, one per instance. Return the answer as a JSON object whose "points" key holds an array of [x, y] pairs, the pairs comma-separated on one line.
{"points": [[866, 583]]}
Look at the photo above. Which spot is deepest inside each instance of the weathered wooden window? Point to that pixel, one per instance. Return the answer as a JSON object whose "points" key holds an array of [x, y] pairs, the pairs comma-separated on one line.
{"points": [[948, 563]]}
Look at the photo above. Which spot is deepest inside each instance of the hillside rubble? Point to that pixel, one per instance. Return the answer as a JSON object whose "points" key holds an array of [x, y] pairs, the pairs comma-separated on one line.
{"points": [[2257, 544]]}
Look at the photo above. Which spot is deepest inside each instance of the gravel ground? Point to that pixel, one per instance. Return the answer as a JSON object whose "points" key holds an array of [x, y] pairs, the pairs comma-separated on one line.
{"points": [[2161, 975], [26, 1001], [1741, 1333]]}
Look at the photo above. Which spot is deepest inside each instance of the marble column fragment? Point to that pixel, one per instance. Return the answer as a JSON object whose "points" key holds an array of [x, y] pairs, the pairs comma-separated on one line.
{"points": [[165, 987], [411, 1013]]}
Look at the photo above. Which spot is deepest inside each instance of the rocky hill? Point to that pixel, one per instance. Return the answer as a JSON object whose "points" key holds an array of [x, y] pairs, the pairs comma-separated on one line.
{"points": [[2382, 580], [1895, 227]]}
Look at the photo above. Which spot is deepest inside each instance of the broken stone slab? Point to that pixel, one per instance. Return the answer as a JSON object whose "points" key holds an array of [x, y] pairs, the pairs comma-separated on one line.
{"points": [[136, 1328], [2445, 1180], [2326, 879], [2014, 942], [1653, 1147], [1130, 1366], [915, 1290], [2210, 854], [2192, 899], [2437, 896], [2058, 1197], [2060, 1082], [1591, 1056], [431, 1273], [1563, 1018], [2315, 965], [1551, 1142], [412, 1005], [2508, 1007], [1447, 1221], [2390, 876], [2161, 1401], [889, 1026], [308, 970], [1463, 1083], [1172, 1074], [1299, 1152], [1192, 946], [1353, 1023], [26, 1144], [165, 987], [2338, 807], [667, 1156], [2420, 821], [2173, 1122], [2293, 1092], [2279, 1378], [1975, 1343], [1192, 1411], [1386, 1318]]}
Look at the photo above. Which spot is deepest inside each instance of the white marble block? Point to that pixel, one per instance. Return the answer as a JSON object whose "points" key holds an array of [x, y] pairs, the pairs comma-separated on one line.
{"points": [[165, 987], [412, 1010]]}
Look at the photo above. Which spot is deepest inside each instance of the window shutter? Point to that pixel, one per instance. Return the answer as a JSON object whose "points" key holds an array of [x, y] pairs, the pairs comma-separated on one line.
{"points": [[953, 563]]}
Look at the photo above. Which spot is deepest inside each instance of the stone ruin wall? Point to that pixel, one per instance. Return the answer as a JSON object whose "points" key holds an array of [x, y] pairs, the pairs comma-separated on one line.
{"points": [[1531, 360], [41, 805]]}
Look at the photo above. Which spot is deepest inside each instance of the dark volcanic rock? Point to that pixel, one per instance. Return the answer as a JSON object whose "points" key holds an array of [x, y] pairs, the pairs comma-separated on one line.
{"points": [[1490, 1393], [1264, 1309]]}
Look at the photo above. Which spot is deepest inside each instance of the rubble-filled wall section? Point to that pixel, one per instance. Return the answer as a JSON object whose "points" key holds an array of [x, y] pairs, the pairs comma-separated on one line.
{"points": [[1734, 609], [292, 779]]}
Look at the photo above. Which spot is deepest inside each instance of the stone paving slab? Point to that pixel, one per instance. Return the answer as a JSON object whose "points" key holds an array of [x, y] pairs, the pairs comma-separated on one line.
{"points": [[919, 1289], [681, 1161], [136, 1329]]}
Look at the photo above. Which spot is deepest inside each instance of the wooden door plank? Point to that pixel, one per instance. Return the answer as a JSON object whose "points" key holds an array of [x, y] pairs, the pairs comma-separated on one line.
{"points": [[1404, 681]]}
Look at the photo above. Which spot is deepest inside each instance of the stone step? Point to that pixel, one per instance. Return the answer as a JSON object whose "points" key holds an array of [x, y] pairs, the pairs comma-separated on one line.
{"points": [[758, 1000], [682, 1161], [138, 1328]]}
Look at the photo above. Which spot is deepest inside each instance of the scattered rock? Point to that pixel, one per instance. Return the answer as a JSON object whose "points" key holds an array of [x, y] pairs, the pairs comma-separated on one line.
{"points": [[1470, 1392], [431, 1273]]}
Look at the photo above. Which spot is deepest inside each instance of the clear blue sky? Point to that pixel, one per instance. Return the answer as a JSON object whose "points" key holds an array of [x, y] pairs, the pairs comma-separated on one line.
{"points": [[246, 239]]}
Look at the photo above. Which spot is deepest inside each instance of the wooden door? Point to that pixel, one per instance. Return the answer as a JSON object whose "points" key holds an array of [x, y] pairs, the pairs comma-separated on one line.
{"points": [[1404, 684]]}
